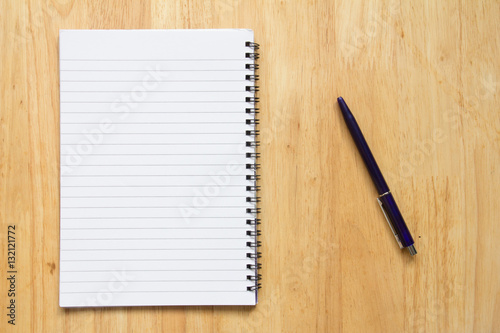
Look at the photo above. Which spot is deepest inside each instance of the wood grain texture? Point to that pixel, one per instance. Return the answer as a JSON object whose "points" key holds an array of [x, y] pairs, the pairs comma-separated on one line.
{"points": [[423, 82]]}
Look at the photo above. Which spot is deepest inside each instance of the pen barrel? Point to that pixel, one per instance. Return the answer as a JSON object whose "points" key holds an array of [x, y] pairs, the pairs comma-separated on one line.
{"points": [[363, 149], [395, 220]]}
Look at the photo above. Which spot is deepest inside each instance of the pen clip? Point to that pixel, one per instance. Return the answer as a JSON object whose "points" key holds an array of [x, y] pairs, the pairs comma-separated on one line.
{"points": [[389, 221]]}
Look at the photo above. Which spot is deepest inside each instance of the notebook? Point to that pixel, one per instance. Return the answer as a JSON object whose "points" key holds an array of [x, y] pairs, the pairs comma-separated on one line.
{"points": [[158, 166]]}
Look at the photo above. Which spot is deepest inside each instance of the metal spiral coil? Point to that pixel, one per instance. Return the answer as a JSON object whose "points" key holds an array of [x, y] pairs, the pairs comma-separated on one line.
{"points": [[252, 121], [252, 110], [253, 221], [257, 277], [252, 78], [254, 244], [253, 211], [252, 55], [251, 266], [253, 188], [252, 99], [253, 155], [252, 132], [253, 67], [252, 166], [252, 88], [253, 233], [254, 255], [255, 287], [253, 45]]}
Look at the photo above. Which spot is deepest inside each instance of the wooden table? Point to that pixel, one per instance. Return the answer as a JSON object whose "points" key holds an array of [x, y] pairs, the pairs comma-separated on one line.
{"points": [[423, 82]]}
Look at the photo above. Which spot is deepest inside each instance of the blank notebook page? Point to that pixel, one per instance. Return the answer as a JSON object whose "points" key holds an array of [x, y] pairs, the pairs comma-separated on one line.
{"points": [[157, 167]]}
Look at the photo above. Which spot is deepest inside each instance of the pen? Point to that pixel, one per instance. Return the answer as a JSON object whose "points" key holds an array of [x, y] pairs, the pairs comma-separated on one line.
{"points": [[385, 198]]}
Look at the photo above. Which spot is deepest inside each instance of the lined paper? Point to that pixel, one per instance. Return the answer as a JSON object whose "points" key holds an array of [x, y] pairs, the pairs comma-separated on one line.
{"points": [[154, 167]]}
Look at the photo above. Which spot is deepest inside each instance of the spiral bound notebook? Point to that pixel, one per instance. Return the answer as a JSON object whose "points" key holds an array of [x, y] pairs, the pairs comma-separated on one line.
{"points": [[158, 168]]}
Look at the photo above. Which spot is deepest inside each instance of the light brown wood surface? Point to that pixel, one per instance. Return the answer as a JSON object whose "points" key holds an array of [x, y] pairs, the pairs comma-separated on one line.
{"points": [[423, 80]]}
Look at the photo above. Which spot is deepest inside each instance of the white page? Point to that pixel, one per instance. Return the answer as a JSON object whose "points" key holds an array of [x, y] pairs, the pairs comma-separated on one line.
{"points": [[154, 168]]}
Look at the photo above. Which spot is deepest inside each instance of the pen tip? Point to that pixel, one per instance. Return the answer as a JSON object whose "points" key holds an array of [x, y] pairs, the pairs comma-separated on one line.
{"points": [[412, 250], [340, 99]]}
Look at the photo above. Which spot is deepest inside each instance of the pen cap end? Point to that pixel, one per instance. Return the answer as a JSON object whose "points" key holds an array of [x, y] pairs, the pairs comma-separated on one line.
{"points": [[340, 99]]}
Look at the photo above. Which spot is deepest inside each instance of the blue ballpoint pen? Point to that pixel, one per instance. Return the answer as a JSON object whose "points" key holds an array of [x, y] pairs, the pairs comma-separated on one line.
{"points": [[385, 199]]}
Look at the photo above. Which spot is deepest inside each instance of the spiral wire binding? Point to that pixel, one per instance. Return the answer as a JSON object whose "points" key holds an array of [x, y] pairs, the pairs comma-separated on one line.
{"points": [[252, 120]]}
